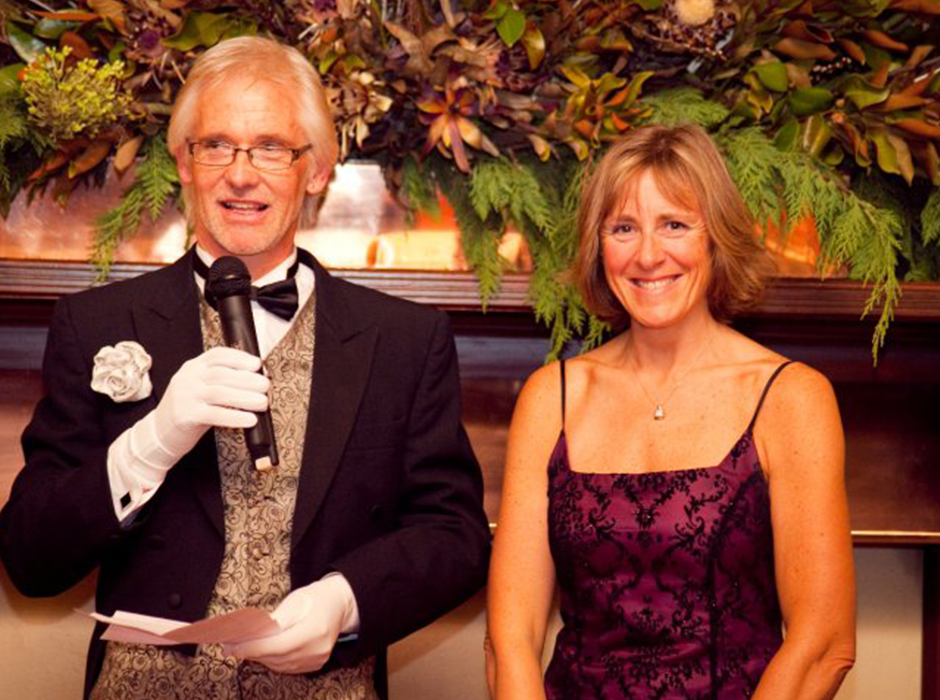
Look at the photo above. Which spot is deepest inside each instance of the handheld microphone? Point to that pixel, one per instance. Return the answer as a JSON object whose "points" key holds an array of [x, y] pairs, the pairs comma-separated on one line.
{"points": [[230, 283]]}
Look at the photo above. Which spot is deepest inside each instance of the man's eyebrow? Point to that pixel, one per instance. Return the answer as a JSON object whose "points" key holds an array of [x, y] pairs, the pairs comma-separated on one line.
{"points": [[263, 138]]}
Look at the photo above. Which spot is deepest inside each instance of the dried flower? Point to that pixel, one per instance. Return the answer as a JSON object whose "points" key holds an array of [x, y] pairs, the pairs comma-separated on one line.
{"points": [[694, 12]]}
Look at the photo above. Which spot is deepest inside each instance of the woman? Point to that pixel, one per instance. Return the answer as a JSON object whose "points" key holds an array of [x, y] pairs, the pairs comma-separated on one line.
{"points": [[683, 484]]}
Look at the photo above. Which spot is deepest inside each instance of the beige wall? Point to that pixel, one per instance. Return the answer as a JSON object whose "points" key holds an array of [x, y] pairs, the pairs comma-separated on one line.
{"points": [[42, 643]]}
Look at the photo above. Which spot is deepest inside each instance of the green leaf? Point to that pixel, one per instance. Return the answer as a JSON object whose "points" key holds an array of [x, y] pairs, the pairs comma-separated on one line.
{"points": [[117, 52], [9, 83], [27, 47], [199, 29], [788, 135], [511, 26], [806, 101], [888, 157], [773, 75], [52, 28], [862, 93], [816, 134], [649, 4], [497, 10]]}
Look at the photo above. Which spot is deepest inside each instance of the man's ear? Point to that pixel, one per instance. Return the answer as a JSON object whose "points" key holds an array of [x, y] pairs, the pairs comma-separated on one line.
{"points": [[183, 167], [316, 180]]}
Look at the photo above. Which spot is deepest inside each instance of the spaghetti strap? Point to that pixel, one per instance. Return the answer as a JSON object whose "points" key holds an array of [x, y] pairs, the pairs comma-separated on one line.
{"points": [[764, 394], [561, 366]]}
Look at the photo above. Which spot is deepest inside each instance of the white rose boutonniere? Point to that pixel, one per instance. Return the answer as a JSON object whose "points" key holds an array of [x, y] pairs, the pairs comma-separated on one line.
{"points": [[122, 372]]}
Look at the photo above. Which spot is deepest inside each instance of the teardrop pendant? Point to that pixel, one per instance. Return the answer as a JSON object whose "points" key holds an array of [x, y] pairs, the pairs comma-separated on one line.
{"points": [[659, 413]]}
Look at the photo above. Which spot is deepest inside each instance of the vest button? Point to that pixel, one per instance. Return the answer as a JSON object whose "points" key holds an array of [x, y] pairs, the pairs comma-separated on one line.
{"points": [[156, 542], [377, 514], [174, 600]]}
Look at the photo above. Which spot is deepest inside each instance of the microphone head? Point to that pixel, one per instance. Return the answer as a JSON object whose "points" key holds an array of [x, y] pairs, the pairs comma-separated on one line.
{"points": [[228, 277]]}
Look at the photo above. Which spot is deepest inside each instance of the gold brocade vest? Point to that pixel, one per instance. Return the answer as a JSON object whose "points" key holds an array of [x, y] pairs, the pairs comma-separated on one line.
{"points": [[259, 511]]}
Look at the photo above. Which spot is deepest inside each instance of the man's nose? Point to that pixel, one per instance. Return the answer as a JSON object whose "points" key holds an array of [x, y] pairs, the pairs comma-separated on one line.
{"points": [[241, 173]]}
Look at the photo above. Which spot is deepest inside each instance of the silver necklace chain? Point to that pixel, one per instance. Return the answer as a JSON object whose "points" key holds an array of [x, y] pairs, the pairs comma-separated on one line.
{"points": [[659, 412]]}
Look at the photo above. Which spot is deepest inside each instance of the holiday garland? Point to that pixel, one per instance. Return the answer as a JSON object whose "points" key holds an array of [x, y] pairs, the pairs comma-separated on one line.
{"points": [[828, 108]]}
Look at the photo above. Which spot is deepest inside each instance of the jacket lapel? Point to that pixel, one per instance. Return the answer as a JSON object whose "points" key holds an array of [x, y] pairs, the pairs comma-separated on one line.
{"points": [[169, 329], [343, 353]]}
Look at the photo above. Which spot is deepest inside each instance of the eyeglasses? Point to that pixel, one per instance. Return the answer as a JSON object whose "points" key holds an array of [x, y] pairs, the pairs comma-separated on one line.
{"points": [[268, 157]]}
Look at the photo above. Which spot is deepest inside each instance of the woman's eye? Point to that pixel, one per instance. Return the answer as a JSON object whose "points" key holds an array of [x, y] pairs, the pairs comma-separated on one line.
{"points": [[676, 227]]}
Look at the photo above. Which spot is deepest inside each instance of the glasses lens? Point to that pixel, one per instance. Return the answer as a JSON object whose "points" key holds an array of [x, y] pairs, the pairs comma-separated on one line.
{"points": [[271, 157], [213, 152]]}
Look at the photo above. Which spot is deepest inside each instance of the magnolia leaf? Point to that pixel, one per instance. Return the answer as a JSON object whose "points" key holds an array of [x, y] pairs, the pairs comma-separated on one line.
{"points": [[798, 29], [541, 147], [834, 156], [52, 28], [69, 15], [853, 50], [918, 55], [96, 152], [904, 160], [27, 47], [797, 48], [773, 75], [882, 40], [511, 26], [636, 84], [926, 155], [496, 10], [580, 148], [124, 157], [788, 135], [918, 127], [900, 101], [112, 10], [9, 82], [576, 76], [929, 7], [862, 93], [80, 47], [609, 82], [816, 134], [804, 102], [199, 29], [886, 151], [534, 44]]}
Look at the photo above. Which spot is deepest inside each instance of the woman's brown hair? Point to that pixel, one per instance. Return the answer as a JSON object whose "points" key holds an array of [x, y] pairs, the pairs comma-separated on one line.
{"points": [[685, 163]]}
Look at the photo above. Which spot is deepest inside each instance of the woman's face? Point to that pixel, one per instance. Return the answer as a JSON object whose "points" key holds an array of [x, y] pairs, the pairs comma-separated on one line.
{"points": [[656, 257]]}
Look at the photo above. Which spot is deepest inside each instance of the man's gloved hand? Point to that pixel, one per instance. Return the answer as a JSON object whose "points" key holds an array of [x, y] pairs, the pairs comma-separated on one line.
{"points": [[312, 618], [220, 388]]}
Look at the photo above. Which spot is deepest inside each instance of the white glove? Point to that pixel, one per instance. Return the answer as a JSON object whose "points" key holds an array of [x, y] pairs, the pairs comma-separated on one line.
{"points": [[220, 388], [312, 618]]}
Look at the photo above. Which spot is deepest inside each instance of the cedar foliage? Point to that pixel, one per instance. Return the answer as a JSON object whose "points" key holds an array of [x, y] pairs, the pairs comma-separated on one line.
{"points": [[155, 183]]}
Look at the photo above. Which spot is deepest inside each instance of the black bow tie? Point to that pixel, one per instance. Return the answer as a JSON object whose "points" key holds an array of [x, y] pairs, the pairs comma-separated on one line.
{"points": [[280, 298]]}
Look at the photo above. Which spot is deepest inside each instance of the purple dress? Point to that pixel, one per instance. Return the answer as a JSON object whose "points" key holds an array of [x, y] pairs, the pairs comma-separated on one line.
{"points": [[667, 579]]}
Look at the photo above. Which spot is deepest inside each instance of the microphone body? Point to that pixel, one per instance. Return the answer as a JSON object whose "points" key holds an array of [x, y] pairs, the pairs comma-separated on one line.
{"points": [[230, 284]]}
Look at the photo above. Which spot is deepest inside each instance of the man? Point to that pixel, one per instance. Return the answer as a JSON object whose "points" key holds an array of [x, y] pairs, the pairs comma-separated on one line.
{"points": [[371, 525]]}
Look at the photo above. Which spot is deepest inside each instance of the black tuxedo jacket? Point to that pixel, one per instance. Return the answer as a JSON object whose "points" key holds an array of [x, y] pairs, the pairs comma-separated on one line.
{"points": [[389, 493]]}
